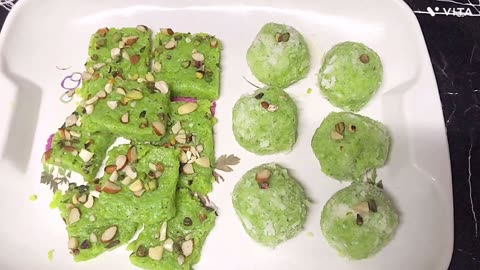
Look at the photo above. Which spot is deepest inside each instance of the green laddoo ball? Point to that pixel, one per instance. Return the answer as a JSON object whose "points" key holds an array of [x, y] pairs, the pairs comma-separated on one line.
{"points": [[348, 145], [271, 205], [265, 122], [350, 75], [279, 55], [358, 221]]}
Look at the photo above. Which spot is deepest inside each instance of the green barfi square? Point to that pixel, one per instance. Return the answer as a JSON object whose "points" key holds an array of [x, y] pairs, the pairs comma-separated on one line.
{"points": [[86, 227], [192, 134], [74, 148], [123, 53], [132, 110], [193, 222], [139, 183], [190, 64]]}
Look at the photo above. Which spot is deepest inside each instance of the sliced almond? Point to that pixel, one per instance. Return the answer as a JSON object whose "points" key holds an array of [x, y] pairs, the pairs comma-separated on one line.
{"points": [[74, 216], [134, 59], [125, 118], [203, 161], [139, 193], [115, 52], [75, 199], [126, 181], [130, 172], [181, 138], [90, 201], [120, 91], [86, 76], [187, 247], [187, 108], [152, 167], [198, 57], [362, 208], [108, 234], [98, 66], [263, 176], [102, 31], [149, 77], [129, 41], [136, 186], [75, 134], [181, 259], [70, 120], [108, 88], [183, 157], [111, 188], [155, 253], [134, 94], [132, 154], [113, 177], [162, 86], [214, 43], [176, 128], [121, 162], [199, 148], [112, 104], [158, 128], [163, 231], [160, 167], [91, 100], [125, 55], [335, 135], [110, 169], [142, 28], [157, 66], [93, 237], [171, 44], [73, 243], [92, 218], [82, 198], [85, 155], [168, 244], [188, 168], [166, 31], [89, 109]]}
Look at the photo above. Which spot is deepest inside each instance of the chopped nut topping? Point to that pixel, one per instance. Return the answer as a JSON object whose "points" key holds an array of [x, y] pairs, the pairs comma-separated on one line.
{"points": [[109, 234], [340, 127], [335, 135], [364, 58], [166, 31]]}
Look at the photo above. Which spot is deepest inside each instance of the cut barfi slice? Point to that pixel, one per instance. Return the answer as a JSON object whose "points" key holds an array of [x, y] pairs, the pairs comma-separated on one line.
{"points": [[76, 149], [176, 244], [191, 131], [89, 233], [122, 53], [190, 64], [139, 183], [135, 111]]}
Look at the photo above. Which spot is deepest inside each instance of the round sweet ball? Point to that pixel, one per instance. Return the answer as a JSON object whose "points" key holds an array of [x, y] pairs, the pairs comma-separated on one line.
{"points": [[358, 221], [271, 205], [265, 122], [279, 55], [350, 75], [348, 145]]}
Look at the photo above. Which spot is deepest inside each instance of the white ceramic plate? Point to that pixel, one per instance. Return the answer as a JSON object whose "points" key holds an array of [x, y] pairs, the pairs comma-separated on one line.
{"points": [[40, 35]]}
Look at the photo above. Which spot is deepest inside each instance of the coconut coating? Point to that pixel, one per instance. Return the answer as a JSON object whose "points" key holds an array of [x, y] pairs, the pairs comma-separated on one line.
{"points": [[279, 55], [273, 213], [350, 75], [265, 122], [348, 145], [358, 221]]}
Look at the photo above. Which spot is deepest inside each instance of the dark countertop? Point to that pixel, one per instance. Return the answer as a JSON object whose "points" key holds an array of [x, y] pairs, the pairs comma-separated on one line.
{"points": [[454, 46]]}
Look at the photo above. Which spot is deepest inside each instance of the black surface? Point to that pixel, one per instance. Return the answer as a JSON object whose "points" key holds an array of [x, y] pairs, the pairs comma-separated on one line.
{"points": [[454, 46]]}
